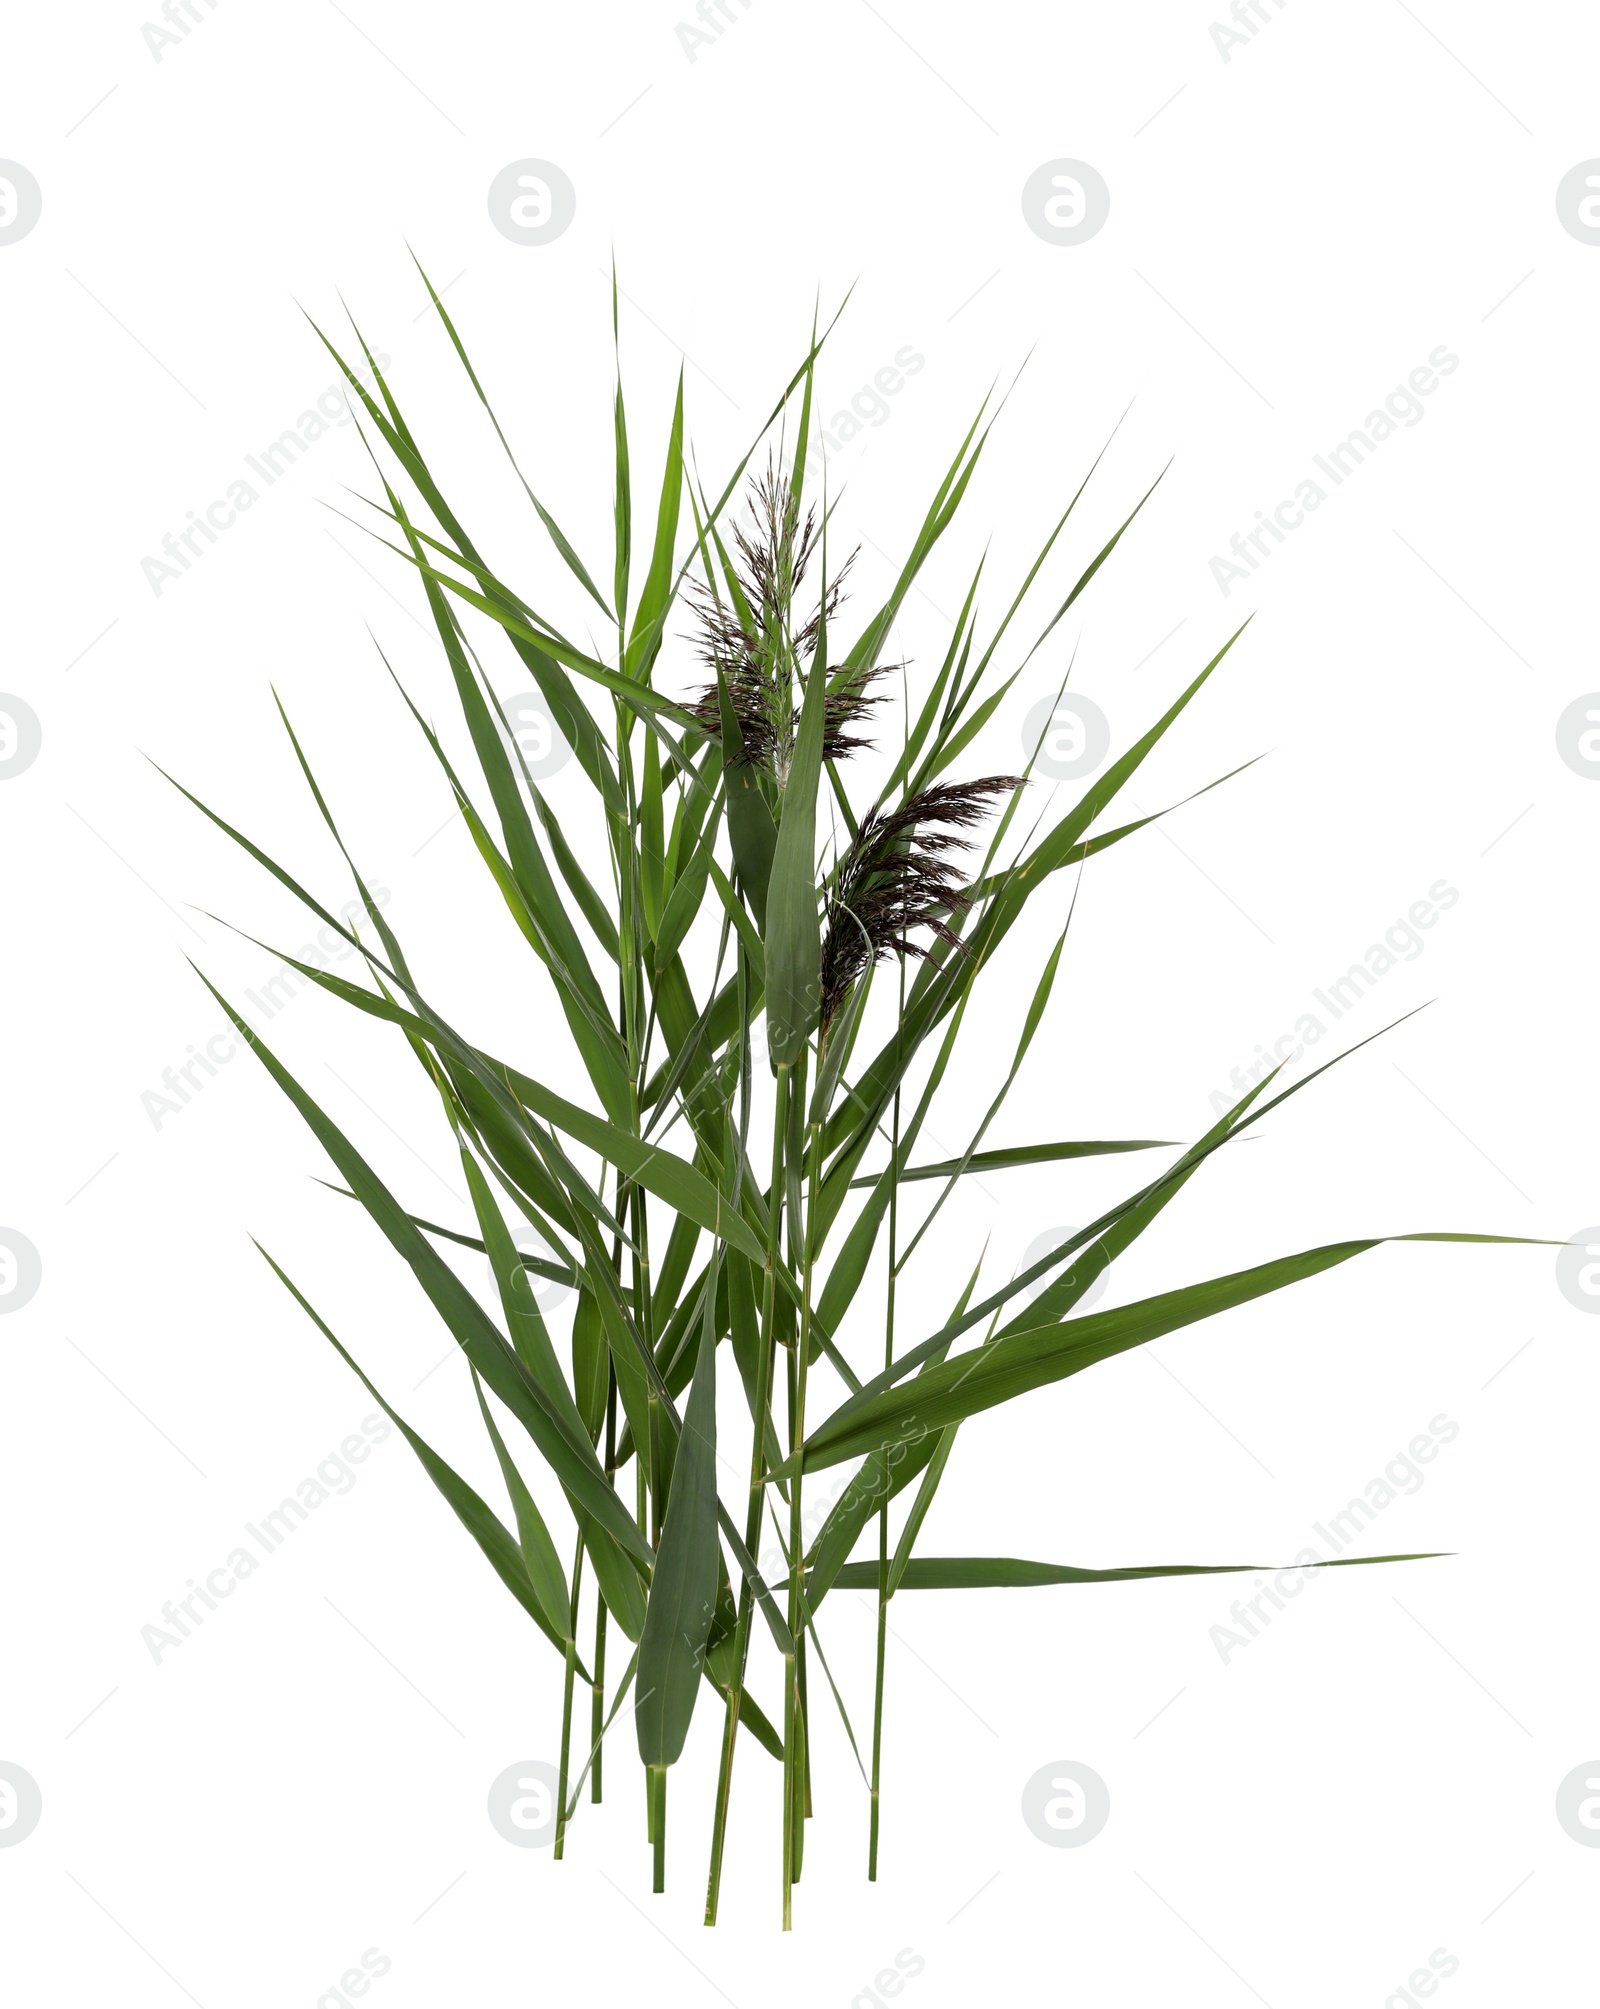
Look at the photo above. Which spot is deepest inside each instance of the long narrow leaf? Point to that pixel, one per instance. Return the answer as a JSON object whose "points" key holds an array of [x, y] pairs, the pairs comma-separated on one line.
{"points": [[683, 1589], [479, 1520], [1036, 1356], [1011, 1573]]}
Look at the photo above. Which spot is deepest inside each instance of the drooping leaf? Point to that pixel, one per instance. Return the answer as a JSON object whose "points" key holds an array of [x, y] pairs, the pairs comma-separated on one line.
{"points": [[680, 1185], [683, 1590], [538, 1551], [575, 1465], [1035, 1356], [573, 562], [591, 1364], [684, 901], [655, 596], [1011, 1573], [479, 1520], [623, 500], [1021, 1154]]}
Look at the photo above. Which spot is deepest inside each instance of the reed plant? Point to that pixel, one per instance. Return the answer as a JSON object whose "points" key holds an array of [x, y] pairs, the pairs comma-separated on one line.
{"points": [[713, 1199]]}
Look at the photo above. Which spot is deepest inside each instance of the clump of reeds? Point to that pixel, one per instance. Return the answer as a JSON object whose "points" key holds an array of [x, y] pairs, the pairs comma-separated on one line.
{"points": [[688, 1255]]}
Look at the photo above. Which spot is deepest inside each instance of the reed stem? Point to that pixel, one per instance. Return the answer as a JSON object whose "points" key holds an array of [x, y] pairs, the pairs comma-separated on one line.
{"points": [[883, 1511], [658, 1809], [758, 1466], [597, 1707], [566, 1700], [794, 1700]]}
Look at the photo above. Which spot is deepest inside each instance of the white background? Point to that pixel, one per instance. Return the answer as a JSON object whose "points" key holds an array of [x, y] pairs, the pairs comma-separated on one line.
{"points": [[1292, 231]]}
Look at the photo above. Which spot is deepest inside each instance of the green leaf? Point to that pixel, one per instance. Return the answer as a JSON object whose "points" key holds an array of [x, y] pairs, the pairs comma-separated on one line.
{"points": [[1099, 1246], [1010, 1573], [733, 907], [940, 513], [683, 1590], [672, 1269], [504, 608], [1031, 1024], [883, 1474], [951, 749], [578, 1470], [1035, 1356], [574, 562], [479, 1520], [483, 1092], [797, 471], [1104, 1236], [680, 1185], [590, 905], [782, 1637], [937, 985], [744, 1336], [1091, 847], [912, 1526], [624, 1351], [644, 643], [850, 1265], [591, 1364], [547, 925], [839, 1046], [1058, 848], [652, 844], [622, 507], [572, 717], [941, 693], [690, 1048], [1021, 1154], [611, 1716], [538, 1551], [374, 913], [719, 1672], [1094, 566], [684, 901], [685, 1190], [524, 1320]]}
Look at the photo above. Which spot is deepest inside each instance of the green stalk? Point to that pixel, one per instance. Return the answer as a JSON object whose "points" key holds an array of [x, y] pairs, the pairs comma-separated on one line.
{"points": [[566, 1701], [808, 1155], [655, 1469], [597, 1708], [630, 943], [644, 1313], [802, 1779], [877, 1692], [752, 1523], [624, 996], [805, 1748], [883, 1511], [719, 1819]]}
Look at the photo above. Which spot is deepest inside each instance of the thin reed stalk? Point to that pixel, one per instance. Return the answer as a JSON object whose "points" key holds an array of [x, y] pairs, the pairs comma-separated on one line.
{"points": [[876, 1789]]}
